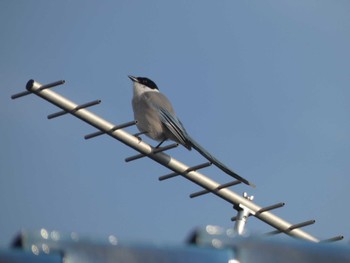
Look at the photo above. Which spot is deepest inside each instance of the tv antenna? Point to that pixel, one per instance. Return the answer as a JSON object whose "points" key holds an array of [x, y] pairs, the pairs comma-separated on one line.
{"points": [[243, 204]]}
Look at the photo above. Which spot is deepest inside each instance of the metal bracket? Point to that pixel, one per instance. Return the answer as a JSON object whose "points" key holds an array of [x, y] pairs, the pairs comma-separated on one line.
{"points": [[243, 213]]}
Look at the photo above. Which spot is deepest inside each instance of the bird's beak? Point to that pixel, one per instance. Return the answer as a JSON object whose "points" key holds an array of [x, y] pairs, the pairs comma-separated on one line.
{"points": [[133, 78]]}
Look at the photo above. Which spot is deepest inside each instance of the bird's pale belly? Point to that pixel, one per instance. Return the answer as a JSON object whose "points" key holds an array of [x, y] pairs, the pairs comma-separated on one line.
{"points": [[151, 125]]}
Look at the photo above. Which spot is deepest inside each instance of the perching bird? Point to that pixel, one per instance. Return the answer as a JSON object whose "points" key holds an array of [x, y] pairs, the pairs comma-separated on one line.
{"points": [[156, 118]]}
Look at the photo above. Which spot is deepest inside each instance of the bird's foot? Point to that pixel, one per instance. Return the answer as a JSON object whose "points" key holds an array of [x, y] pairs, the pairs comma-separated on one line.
{"points": [[137, 135], [159, 144]]}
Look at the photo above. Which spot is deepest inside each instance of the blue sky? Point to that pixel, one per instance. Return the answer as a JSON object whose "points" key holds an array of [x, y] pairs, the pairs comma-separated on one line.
{"points": [[263, 85]]}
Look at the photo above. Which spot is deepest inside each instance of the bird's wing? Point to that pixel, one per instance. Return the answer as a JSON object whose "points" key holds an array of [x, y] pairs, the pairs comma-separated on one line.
{"points": [[167, 116], [174, 125]]}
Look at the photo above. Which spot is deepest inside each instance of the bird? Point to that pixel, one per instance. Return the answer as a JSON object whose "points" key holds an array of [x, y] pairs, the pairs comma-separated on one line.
{"points": [[156, 118]]}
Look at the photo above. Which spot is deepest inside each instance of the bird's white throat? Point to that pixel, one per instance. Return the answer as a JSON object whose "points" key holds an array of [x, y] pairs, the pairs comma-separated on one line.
{"points": [[139, 89]]}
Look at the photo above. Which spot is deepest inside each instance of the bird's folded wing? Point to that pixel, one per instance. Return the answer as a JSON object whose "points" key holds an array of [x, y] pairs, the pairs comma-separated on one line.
{"points": [[174, 125]]}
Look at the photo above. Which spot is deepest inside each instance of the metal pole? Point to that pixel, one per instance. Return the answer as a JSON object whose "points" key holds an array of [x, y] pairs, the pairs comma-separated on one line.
{"points": [[242, 215]]}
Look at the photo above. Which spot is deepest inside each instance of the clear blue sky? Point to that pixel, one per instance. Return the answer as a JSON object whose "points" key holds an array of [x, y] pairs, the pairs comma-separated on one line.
{"points": [[263, 85]]}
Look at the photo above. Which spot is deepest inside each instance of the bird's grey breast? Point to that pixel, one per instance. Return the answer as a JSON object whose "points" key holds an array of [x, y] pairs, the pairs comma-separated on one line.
{"points": [[146, 112]]}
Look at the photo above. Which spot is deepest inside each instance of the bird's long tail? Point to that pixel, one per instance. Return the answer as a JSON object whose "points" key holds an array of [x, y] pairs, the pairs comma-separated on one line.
{"points": [[179, 134], [216, 162]]}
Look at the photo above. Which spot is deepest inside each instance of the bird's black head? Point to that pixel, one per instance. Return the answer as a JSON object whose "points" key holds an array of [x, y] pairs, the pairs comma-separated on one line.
{"points": [[145, 81]]}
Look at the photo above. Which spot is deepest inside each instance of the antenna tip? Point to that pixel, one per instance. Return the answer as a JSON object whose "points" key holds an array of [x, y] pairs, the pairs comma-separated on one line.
{"points": [[252, 185], [29, 84]]}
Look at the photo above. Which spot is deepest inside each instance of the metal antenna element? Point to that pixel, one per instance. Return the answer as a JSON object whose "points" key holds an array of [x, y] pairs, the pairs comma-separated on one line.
{"points": [[190, 169], [243, 204], [336, 238], [262, 210], [117, 127], [82, 106], [30, 83], [203, 192], [155, 150], [269, 208], [292, 227]]}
